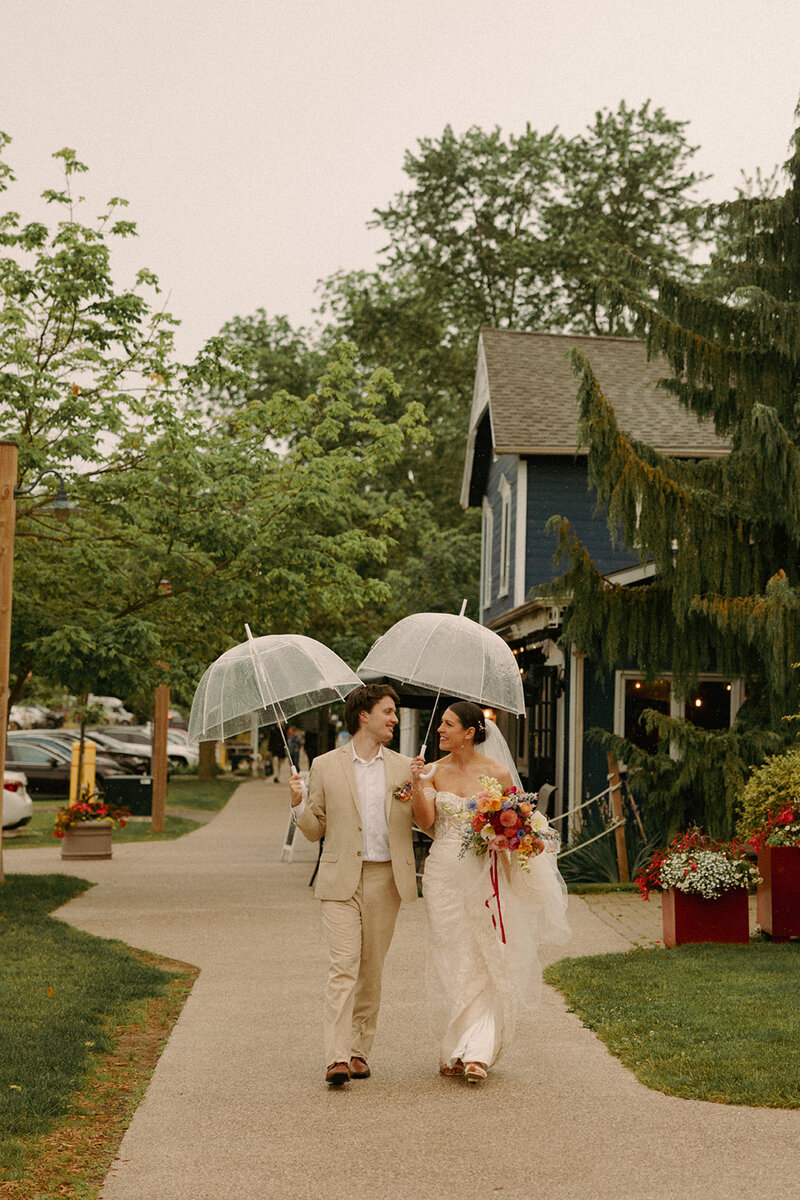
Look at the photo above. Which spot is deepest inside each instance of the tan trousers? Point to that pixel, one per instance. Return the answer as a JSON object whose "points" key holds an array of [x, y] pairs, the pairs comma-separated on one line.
{"points": [[358, 932]]}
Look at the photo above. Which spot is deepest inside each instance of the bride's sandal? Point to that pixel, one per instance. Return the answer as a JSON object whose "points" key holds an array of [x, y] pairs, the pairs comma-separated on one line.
{"points": [[456, 1069], [475, 1072]]}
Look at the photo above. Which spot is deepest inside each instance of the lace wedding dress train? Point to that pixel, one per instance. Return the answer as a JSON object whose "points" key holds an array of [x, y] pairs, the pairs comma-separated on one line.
{"points": [[476, 983]]}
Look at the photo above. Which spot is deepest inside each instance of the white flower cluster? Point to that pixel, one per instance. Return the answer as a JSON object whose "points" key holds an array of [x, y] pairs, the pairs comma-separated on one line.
{"points": [[706, 873]]}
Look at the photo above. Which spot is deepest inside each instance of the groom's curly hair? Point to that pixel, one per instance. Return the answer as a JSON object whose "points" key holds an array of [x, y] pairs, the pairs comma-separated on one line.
{"points": [[364, 699]]}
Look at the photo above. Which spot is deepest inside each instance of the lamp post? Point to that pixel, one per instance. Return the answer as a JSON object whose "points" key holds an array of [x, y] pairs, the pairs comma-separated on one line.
{"points": [[8, 513]]}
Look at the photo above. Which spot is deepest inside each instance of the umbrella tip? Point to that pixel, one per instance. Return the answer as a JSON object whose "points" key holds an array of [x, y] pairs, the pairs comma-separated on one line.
{"points": [[463, 607]]}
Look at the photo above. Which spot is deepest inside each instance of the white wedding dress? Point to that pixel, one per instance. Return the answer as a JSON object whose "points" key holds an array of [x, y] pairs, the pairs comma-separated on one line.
{"points": [[476, 983]]}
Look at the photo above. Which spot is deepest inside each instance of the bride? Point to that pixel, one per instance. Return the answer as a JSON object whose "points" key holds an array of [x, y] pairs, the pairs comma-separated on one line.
{"points": [[477, 983]]}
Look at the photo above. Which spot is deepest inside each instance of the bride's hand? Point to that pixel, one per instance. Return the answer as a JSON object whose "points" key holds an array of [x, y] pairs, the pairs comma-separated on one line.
{"points": [[417, 766]]}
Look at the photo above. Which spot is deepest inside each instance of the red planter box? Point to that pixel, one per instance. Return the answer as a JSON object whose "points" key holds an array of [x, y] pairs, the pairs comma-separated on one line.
{"points": [[778, 896], [687, 918]]}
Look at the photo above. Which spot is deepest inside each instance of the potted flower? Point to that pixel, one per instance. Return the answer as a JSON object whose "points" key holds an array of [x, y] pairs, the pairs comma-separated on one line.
{"points": [[778, 897], [704, 884], [85, 827]]}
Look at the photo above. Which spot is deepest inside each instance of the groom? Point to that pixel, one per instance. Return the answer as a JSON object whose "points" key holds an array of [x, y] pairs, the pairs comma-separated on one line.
{"points": [[366, 868]]}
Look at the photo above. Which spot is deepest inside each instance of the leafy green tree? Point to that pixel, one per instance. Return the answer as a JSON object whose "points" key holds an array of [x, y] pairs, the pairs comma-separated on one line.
{"points": [[627, 181], [724, 533], [275, 511]]}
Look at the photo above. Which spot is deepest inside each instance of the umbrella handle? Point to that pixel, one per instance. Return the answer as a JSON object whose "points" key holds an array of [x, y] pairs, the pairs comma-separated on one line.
{"points": [[426, 774]]}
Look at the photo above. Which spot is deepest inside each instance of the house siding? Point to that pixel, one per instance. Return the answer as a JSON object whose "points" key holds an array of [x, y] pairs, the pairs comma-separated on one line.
{"points": [[560, 486]]}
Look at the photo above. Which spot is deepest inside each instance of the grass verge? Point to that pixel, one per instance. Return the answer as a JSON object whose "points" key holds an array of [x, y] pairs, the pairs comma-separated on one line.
{"points": [[184, 792], [82, 1025], [706, 1022]]}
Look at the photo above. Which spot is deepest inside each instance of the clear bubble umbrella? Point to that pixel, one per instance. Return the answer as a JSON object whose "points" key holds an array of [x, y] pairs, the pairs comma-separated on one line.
{"points": [[265, 681], [452, 654]]}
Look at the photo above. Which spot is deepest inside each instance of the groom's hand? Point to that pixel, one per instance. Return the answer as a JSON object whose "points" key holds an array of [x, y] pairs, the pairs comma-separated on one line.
{"points": [[296, 787]]}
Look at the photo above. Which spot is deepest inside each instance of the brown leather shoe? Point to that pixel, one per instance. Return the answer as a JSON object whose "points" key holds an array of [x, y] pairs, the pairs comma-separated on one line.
{"points": [[359, 1068], [337, 1074]]}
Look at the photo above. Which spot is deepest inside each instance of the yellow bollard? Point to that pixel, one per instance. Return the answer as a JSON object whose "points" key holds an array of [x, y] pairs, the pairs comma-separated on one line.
{"points": [[87, 780]]}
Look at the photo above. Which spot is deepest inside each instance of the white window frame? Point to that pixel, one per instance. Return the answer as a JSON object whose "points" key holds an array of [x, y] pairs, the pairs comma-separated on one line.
{"points": [[677, 702], [487, 537], [505, 537]]}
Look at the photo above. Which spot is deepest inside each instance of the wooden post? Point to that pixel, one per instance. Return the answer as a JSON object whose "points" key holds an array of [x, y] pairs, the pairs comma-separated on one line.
{"points": [[8, 481], [616, 810], [159, 763], [207, 762]]}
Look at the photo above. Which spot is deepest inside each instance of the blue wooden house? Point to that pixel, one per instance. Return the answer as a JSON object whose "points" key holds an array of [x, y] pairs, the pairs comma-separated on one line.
{"points": [[522, 466]]}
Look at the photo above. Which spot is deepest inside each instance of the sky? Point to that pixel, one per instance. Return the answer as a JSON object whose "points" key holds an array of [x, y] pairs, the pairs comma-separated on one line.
{"points": [[253, 138]]}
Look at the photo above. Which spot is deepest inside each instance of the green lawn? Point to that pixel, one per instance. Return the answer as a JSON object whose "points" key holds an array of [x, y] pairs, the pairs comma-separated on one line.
{"points": [[63, 992], [183, 791], [707, 1022]]}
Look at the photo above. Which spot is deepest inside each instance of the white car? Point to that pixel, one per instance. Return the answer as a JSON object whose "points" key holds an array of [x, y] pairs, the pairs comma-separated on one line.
{"points": [[17, 804]]}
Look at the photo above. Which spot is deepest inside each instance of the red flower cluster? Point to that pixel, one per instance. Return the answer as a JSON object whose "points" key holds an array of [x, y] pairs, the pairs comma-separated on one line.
{"points": [[89, 810], [690, 842], [781, 828]]}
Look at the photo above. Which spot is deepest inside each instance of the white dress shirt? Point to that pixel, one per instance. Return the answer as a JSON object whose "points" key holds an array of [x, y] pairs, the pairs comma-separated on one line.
{"points": [[371, 788]]}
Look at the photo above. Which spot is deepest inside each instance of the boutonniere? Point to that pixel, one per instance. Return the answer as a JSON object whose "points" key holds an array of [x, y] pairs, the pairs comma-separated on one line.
{"points": [[403, 791]]}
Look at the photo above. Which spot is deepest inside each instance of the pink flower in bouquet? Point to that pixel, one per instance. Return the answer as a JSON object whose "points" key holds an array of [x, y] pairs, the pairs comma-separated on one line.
{"points": [[498, 843], [484, 803], [509, 818]]}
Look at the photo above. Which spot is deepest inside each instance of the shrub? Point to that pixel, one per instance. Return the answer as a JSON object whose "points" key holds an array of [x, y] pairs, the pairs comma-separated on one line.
{"points": [[773, 785]]}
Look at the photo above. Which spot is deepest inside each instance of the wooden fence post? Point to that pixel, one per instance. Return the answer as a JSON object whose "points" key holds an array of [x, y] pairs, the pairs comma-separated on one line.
{"points": [[618, 814], [159, 763]]}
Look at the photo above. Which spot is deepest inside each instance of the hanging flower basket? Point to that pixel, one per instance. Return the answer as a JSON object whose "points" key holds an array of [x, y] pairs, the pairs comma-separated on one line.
{"points": [[704, 884], [778, 896]]}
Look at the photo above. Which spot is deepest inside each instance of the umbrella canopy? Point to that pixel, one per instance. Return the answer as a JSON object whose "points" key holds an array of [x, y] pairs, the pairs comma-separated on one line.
{"points": [[451, 654], [266, 680]]}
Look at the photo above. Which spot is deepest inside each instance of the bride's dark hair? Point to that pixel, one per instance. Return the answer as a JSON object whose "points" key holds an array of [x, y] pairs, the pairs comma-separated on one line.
{"points": [[471, 717]]}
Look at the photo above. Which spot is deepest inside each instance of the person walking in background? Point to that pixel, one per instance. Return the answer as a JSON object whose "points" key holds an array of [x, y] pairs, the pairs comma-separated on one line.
{"points": [[358, 800], [294, 740], [277, 752]]}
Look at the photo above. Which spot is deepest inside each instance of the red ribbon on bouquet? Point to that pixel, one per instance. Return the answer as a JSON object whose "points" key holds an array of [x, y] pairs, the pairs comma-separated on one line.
{"points": [[496, 890]]}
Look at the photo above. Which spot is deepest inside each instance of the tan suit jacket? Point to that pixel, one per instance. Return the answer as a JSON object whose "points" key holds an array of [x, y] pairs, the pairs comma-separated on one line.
{"points": [[333, 811]]}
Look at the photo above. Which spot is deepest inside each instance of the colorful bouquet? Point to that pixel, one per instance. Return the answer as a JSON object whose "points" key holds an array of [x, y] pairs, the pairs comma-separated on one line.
{"points": [[781, 828], [499, 818], [699, 865], [89, 809]]}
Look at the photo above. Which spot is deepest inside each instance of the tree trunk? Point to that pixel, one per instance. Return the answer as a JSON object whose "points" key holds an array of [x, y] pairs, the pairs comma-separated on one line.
{"points": [[207, 765]]}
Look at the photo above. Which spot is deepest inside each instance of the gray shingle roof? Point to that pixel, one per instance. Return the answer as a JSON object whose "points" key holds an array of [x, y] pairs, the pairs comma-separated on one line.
{"points": [[532, 393]]}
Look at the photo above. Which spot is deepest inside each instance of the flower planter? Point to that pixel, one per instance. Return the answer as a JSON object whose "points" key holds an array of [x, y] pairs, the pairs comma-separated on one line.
{"points": [[690, 918], [87, 839], [778, 895]]}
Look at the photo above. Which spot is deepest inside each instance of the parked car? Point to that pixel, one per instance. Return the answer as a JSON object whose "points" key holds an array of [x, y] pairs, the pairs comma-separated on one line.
{"points": [[33, 716], [114, 711], [48, 767], [128, 760], [17, 804], [179, 753], [125, 755]]}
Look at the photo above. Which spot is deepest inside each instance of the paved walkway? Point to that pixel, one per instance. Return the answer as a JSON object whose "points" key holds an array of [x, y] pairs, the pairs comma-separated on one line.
{"points": [[237, 1109]]}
